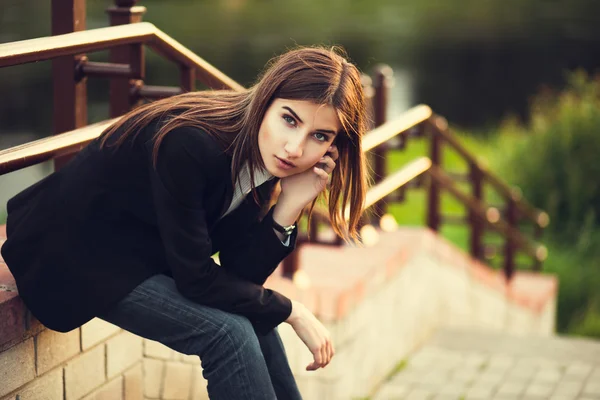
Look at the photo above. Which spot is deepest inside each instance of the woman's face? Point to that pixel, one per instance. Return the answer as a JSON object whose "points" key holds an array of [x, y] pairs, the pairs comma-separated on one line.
{"points": [[295, 134]]}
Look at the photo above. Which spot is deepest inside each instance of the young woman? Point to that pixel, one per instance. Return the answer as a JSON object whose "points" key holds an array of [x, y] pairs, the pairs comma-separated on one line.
{"points": [[126, 230]]}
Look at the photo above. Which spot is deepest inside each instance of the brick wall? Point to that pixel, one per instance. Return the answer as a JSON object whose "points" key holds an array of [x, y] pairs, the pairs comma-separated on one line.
{"points": [[93, 362], [169, 375], [98, 361], [379, 304]]}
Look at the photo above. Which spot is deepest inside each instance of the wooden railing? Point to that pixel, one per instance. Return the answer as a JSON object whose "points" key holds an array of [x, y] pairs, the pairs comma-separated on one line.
{"points": [[506, 219], [126, 39], [135, 35], [128, 88]]}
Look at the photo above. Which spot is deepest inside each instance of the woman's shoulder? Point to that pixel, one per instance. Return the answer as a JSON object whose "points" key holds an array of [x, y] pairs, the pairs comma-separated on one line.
{"points": [[191, 146], [191, 139]]}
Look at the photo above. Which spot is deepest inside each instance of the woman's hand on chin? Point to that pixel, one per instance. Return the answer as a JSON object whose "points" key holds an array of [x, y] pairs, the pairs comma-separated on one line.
{"points": [[302, 188]]}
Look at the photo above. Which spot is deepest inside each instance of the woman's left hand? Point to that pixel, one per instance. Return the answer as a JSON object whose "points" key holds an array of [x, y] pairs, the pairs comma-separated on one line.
{"points": [[304, 187]]}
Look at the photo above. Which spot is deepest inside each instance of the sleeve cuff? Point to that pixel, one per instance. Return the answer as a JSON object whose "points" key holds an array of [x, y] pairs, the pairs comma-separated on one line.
{"points": [[266, 325]]}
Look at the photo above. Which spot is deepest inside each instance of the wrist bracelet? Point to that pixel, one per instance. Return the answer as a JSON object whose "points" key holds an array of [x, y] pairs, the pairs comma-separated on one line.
{"points": [[286, 230]]}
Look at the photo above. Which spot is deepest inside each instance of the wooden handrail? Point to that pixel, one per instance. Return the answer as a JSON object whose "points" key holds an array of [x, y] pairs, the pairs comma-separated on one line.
{"points": [[46, 48], [398, 179], [424, 114], [422, 165], [490, 215], [382, 189], [397, 126], [539, 217], [41, 150]]}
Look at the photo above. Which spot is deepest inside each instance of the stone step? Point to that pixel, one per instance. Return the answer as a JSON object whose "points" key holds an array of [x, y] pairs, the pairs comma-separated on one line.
{"points": [[558, 348], [476, 365]]}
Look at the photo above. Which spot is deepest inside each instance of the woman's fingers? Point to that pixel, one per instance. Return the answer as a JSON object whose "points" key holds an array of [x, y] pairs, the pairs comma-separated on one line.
{"points": [[329, 351], [328, 164], [333, 152], [322, 173], [324, 355], [318, 360]]}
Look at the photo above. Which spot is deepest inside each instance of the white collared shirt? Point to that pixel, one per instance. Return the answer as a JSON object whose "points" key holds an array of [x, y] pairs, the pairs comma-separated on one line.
{"points": [[243, 187]]}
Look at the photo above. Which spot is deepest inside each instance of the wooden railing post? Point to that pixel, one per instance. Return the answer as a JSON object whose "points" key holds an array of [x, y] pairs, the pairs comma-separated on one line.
{"points": [[433, 203], [509, 245], [382, 82], [70, 95], [477, 225], [121, 101], [367, 85]]}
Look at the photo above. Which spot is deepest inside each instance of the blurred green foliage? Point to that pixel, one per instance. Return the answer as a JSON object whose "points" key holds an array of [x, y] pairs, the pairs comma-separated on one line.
{"points": [[556, 161]]}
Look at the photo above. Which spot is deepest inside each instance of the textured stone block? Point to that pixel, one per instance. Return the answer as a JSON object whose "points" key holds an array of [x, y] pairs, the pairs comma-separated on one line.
{"points": [[539, 389], [154, 349], [17, 366], [592, 389], [133, 383], [178, 381], [54, 348], [46, 387], [189, 359], [153, 377], [12, 309], [199, 390], [122, 351], [96, 331], [84, 373], [112, 390]]}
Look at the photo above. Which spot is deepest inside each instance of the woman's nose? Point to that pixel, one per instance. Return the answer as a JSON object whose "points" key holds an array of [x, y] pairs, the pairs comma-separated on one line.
{"points": [[294, 148]]}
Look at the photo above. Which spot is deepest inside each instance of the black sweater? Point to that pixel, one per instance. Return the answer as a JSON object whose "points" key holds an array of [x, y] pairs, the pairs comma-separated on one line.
{"points": [[82, 238]]}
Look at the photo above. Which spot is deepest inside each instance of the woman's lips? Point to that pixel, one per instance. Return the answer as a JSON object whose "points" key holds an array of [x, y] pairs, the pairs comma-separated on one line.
{"points": [[284, 164]]}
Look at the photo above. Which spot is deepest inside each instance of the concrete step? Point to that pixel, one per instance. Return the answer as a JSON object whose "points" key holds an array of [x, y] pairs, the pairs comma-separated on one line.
{"points": [[476, 365]]}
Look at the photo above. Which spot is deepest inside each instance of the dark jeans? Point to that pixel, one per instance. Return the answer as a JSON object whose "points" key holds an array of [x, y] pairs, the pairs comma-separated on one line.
{"points": [[237, 362]]}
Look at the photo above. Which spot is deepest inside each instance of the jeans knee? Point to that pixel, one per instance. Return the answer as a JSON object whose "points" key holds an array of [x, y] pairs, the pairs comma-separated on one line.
{"points": [[235, 335], [239, 331]]}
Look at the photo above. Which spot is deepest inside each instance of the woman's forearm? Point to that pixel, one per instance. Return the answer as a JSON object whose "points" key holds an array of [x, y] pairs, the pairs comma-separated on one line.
{"points": [[286, 212]]}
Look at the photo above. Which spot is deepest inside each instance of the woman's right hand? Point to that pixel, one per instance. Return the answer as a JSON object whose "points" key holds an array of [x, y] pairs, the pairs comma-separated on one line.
{"points": [[314, 335]]}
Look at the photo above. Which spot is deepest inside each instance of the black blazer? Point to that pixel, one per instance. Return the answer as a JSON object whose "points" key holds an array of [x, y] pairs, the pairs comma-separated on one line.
{"points": [[82, 238]]}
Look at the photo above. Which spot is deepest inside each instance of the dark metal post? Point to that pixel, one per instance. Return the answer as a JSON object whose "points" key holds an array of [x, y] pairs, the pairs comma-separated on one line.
{"points": [[509, 245], [382, 82], [187, 79], [125, 12], [433, 204], [369, 91], [477, 225], [70, 95]]}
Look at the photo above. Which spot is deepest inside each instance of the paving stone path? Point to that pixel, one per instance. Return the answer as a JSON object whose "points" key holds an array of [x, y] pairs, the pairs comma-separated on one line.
{"points": [[471, 365]]}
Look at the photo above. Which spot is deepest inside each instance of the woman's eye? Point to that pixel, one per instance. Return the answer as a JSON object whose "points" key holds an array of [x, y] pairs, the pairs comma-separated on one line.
{"points": [[321, 137], [289, 120]]}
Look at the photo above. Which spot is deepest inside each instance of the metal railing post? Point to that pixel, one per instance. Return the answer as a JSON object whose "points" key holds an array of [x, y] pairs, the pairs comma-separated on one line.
{"points": [[70, 95], [121, 99], [382, 81], [509, 245], [433, 203], [477, 226]]}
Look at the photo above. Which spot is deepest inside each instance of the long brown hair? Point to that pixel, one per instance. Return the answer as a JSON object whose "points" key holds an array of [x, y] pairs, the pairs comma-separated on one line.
{"points": [[321, 75]]}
